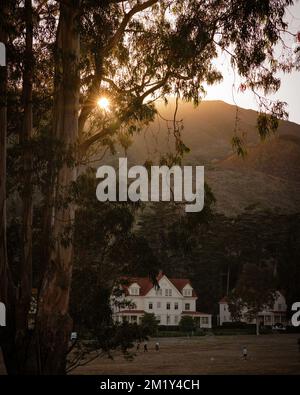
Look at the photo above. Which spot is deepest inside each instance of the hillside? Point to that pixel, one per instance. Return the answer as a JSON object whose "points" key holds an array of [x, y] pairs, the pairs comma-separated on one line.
{"points": [[278, 157], [208, 130], [269, 176]]}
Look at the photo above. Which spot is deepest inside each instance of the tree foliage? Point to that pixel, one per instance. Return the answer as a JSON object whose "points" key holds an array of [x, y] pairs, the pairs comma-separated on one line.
{"points": [[149, 324], [255, 291], [187, 324]]}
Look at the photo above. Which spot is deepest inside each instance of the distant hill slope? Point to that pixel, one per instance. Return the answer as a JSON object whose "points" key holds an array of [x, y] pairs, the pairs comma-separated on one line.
{"points": [[268, 178], [278, 157], [208, 130], [239, 190]]}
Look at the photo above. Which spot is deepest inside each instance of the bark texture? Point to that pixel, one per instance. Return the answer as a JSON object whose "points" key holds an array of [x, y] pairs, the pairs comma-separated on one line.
{"points": [[54, 324], [24, 294]]}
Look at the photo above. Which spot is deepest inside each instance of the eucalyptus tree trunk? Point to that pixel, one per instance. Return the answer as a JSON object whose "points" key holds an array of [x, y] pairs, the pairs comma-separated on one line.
{"points": [[7, 290], [16, 340], [24, 294], [53, 323], [3, 133]]}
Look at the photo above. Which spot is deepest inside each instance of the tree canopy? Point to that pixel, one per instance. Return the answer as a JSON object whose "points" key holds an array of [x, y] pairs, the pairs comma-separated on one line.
{"points": [[254, 292]]}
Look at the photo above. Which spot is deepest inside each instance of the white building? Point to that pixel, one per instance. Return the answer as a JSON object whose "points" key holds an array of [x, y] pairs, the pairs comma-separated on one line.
{"points": [[267, 317], [173, 299]]}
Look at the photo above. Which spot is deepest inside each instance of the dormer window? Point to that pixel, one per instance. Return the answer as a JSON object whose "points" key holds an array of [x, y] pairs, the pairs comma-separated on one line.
{"points": [[134, 291], [187, 292]]}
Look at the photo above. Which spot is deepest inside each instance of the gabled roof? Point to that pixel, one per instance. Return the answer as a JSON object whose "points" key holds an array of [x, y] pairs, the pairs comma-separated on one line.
{"points": [[146, 284], [180, 283]]}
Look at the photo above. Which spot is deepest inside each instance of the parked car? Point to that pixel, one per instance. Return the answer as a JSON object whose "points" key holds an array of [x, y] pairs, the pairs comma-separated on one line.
{"points": [[278, 327]]}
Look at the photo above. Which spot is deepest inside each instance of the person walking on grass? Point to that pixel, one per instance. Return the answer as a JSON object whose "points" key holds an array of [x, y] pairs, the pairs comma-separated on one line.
{"points": [[245, 353], [145, 347]]}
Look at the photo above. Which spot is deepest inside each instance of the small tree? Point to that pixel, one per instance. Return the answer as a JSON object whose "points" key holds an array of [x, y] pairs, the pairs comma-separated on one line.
{"points": [[256, 289], [236, 306], [149, 324], [187, 324]]}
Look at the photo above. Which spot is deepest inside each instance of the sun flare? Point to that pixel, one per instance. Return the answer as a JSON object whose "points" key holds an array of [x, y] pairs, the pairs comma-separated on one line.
{"points": [[103, 103]]}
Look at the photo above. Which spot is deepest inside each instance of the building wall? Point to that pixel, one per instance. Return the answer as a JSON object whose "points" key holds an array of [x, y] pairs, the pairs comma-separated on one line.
{"points": [[267, 317], [225, 315], [159, 306], [167, 303]]}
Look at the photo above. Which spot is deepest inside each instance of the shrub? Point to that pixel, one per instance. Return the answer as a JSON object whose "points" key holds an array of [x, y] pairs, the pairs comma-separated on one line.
{"points": [[187, 324], [149, 324]]}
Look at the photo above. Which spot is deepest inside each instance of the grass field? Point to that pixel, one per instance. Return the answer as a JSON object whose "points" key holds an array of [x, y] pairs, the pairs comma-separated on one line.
{"points": [[267, 354]]}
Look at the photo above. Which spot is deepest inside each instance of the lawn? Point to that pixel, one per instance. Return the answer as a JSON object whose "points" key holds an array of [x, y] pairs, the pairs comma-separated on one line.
{"points": [[267, 354]]}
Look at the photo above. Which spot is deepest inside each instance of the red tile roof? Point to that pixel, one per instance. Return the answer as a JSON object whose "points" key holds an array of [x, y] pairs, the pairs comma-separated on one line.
{"points": [[146, 284], [180, 283]]}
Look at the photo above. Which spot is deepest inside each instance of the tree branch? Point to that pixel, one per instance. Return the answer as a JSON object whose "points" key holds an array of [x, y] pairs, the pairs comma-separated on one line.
{"points": [[90, 102], [98, 136], [154, 88], [119, 33]]}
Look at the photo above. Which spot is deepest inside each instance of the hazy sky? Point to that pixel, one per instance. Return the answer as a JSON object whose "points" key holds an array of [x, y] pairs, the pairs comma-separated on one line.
{"points": [[290, 83]]}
